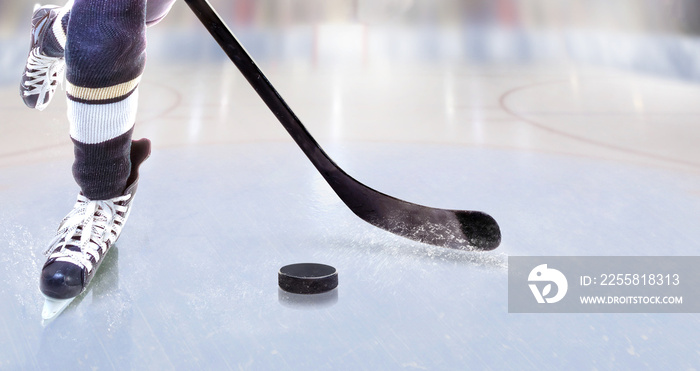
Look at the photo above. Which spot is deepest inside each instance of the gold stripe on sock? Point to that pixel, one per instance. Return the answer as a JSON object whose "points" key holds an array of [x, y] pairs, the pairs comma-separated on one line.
{"points": [[98, 94]]}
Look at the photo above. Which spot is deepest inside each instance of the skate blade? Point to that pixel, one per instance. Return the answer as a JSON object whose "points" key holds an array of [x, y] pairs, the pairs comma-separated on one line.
{"points": [[54, 307]]}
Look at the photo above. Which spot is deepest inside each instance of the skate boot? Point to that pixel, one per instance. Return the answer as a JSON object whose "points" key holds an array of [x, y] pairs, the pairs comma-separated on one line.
{"points": [[83, 239], [42, 72]]}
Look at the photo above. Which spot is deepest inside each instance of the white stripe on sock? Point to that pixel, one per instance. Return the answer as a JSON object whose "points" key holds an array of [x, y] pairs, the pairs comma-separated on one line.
{"points": [[58, 28], [97, 123]]}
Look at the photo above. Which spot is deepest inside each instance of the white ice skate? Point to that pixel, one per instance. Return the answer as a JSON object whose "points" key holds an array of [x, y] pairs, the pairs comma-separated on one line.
{"points": [[42, 72]]}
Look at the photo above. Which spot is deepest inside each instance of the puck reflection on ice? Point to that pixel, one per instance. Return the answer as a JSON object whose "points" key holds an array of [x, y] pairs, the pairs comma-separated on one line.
{"points": [[305, 301]]}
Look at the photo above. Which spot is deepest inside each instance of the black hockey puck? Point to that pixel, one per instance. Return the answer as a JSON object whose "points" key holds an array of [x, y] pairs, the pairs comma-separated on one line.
{"points": [[308, 278]]}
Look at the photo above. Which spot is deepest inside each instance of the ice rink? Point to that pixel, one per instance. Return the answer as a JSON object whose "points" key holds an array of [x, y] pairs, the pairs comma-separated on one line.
{"points": [[575, 124]]}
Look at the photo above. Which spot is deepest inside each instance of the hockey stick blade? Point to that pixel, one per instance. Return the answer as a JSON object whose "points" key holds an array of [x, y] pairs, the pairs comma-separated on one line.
{"points": [[459, 229]]}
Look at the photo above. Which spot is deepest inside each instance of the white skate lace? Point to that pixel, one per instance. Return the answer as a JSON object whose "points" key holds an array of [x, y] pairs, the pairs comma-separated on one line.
{"points": [[92, 226], [43, 73]]}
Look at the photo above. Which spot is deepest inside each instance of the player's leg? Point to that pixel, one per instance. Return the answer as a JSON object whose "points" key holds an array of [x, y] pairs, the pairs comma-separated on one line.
{"points": [[104, 68], [105, 57]]}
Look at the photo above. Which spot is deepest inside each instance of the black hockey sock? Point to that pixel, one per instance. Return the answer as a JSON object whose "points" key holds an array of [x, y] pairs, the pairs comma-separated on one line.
{"points": [[102, 169], [105, 57]]}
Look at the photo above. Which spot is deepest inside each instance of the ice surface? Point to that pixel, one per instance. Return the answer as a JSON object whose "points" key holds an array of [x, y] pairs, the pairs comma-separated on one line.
{"points": [[193, 283]]}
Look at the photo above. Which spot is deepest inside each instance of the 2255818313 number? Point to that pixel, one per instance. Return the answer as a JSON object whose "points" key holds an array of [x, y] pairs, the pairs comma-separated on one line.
{"points": [[629, 279]]}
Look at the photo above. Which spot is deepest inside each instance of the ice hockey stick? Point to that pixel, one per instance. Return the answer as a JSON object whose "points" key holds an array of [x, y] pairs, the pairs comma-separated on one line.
{"points": [[459, 229]]}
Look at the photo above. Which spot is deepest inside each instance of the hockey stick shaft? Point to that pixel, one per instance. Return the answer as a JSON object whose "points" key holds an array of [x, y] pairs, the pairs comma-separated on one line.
{"points": [[440, 227]]}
